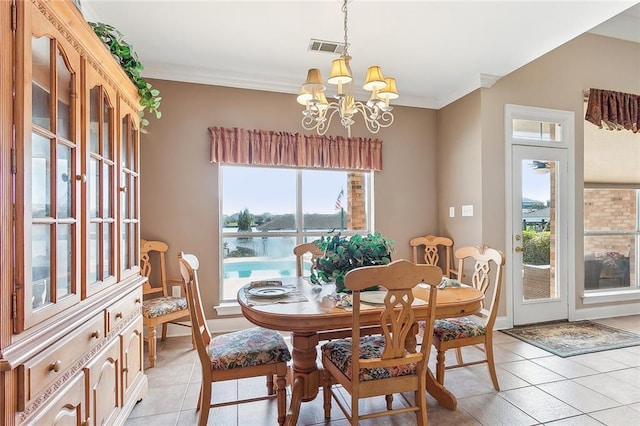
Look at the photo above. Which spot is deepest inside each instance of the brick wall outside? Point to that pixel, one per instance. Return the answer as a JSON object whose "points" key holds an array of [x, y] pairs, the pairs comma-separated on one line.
{"points": [[610, 210], [357, 207]]}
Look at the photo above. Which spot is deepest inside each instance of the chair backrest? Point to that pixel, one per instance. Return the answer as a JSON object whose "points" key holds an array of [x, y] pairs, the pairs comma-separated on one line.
{"points": [[150, 250], [300, 250], [398, 317], [189, 265], [488, 264], [431, 255]]}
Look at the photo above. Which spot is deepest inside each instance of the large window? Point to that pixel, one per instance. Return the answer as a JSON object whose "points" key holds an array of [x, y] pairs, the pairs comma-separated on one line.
{"points": [[266, 211], [611, 238]]}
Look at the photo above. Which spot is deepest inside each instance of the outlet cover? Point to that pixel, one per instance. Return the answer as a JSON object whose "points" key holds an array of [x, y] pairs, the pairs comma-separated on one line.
{"points": [[467, 210], [452, 212]]}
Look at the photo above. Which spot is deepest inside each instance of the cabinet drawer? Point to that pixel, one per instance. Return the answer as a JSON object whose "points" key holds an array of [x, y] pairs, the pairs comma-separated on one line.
{"points": [[67, 408], [117, 312], [51, 364]]}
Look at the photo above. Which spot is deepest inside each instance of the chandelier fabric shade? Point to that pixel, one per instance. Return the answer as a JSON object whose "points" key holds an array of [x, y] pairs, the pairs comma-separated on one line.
{"points": [[319, 112]]}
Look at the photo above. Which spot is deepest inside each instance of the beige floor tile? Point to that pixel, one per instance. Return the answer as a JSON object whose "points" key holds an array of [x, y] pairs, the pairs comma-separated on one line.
{"points": [[599, 362], [564, 366], [475, 380], [630, 323], [619, 416], [599, 384], [605, 384], [169, 374], [169, 419], [538, 404], [523, 349], [499, 337], [583, 420], [578, 396], [531, 372], [624, 356], [495, 410], [160, 400]]}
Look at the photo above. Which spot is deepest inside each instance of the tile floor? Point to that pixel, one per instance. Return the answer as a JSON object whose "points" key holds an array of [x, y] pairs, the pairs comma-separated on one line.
{"points": [[536, 388]]}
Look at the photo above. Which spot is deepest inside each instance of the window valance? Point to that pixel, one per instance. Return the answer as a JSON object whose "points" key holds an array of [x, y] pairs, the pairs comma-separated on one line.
{"points": [[615, 110], [271, 148]]}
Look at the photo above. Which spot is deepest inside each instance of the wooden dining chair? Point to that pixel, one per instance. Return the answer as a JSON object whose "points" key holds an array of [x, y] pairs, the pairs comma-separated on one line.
{"points": [[242, 354], [162, 307], [377, 365], [449, 333], [431, 253], [303, 251]]}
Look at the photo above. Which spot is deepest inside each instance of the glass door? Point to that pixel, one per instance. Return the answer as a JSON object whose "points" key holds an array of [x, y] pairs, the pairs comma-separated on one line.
{"points": [[539, 234]]}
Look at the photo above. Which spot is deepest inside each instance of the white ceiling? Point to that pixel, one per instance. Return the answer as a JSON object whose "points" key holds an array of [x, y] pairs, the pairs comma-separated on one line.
{"points": [[438, 51]]}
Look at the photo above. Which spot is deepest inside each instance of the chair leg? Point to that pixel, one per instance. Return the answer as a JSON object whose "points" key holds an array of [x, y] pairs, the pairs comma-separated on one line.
{"points": [[281, 384], [270, 390], [459, 356], [440, 367], [488, 348], [421, 402], [152, 345], [164, 332], [389, 399], [326, 394], [205, 399]]}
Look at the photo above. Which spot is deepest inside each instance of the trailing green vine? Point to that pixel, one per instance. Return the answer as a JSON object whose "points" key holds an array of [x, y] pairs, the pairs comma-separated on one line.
{"points": [[128, 60]]}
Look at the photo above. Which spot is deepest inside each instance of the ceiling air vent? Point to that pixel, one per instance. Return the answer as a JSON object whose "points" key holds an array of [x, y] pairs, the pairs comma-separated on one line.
{"points": [[326, 46]]}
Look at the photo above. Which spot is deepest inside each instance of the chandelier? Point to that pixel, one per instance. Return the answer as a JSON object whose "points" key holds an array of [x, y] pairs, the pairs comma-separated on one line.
{"points": [[318, 112]]}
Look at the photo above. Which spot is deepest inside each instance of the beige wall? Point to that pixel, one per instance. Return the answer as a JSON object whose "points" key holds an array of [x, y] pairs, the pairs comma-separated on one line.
{"points": [[461, 147], [460, 169], [179, 186], [557, 81]]}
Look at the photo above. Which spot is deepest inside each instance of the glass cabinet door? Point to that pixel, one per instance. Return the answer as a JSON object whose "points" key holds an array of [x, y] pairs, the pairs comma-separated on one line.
{"points": [[129, 186], [100, 204], [50, 223]]}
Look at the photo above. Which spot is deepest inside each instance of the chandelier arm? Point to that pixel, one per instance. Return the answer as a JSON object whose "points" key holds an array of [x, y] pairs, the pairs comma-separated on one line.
{"points": [[374, 118], [320, 122]]}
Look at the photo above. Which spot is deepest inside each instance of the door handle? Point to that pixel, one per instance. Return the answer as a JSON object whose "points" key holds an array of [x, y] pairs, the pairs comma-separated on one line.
{"points": [[519, 249]]}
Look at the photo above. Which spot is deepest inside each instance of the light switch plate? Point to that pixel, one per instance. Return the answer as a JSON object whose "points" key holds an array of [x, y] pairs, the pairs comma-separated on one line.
{"points": [[452, 212], [467, 210]]}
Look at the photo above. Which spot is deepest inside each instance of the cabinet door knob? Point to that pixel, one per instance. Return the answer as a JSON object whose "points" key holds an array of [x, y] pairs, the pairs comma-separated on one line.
{"points": [[82, 178], [123, 189], [138, 300], [96, 334], [55, 366], [87, 422], [119, 315]]}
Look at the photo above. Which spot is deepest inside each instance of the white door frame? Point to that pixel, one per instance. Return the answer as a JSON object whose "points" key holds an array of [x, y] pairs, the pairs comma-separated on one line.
{"points": [[566, 119]]}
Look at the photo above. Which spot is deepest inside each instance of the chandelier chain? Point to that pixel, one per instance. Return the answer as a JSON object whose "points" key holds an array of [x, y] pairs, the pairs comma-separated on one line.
{"points": [[345, 51]]}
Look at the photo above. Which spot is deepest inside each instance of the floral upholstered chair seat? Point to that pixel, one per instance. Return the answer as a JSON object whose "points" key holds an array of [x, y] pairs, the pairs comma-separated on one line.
{"points": [[339, 351], [162, 306], [457, 328], [247, 348]]}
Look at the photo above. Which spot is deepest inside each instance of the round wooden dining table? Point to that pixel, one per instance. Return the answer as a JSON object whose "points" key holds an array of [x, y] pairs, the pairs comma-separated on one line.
{"points": [[321, 317]]}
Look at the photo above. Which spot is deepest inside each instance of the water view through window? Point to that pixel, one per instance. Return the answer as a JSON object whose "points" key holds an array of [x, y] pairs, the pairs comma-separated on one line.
{"points": [[266, 211]]}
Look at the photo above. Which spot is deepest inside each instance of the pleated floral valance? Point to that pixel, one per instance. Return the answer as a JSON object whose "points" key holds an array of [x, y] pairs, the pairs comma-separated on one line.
{"points": [[271, 148], [615, 110]]}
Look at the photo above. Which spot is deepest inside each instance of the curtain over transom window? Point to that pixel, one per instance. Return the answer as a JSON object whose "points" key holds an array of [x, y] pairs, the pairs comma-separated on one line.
{"points": [[615, 110]]}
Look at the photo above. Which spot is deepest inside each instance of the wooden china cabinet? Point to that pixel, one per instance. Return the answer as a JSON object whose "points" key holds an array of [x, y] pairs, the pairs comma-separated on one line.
{"points": [[70, 291]]}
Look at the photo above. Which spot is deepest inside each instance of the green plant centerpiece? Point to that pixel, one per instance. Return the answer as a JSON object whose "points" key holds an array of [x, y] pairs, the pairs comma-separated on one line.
{"points": [[342, 254], [128, 59]]}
